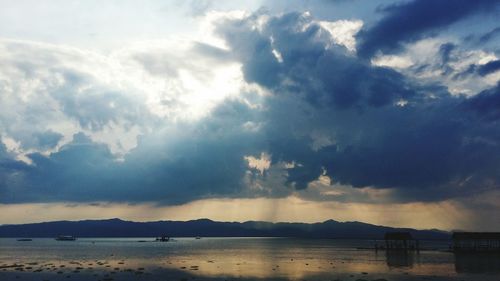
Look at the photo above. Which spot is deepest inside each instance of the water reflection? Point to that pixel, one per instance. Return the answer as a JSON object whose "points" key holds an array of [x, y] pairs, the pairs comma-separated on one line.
{"points": [[400, 258], [477, 262], [224, 259]]}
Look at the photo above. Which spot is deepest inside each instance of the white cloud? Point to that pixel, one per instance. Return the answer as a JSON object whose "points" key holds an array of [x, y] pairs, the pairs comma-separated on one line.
{"points": [[112, 98], [63, 90], [425, 54], [343, 31], [177, 80], [261, 163], [392, 61]]}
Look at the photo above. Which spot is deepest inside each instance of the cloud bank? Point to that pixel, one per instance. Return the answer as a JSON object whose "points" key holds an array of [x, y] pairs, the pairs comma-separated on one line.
{"points": [[414, 20], [270, 106]]}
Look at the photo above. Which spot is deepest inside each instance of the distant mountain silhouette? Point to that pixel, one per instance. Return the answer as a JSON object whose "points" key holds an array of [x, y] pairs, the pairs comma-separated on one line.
{"points": [[209, 228]]}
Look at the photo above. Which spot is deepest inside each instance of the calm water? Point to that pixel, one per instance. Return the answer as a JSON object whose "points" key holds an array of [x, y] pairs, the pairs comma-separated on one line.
{"points": [[232, 258]]}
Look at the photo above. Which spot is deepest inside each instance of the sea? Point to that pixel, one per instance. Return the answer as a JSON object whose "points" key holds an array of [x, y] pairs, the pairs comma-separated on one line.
{"points": [[142, 258]]}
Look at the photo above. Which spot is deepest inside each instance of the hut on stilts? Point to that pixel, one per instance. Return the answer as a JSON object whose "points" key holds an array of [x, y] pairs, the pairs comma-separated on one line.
{"points": [[476, 241], [400, 241]]}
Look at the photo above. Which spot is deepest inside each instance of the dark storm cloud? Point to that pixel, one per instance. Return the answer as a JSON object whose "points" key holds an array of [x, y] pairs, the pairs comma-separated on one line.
{"points": [[475, 69], [489, 35], [322, 77], [486, 104], [470, 70], [411, 21], [11, 173], [424, 148], [428, 150], [445, 51], [198, 162], [328, 112], [446, 54], [488, 68], [8, 164]]}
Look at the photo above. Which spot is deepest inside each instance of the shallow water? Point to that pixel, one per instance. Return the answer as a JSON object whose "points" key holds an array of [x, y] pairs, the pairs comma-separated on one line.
{"points": [[232, 258]]}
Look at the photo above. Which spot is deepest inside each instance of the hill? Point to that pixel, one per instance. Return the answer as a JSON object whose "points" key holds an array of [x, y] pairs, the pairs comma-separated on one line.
{"points": [[209, 228]]}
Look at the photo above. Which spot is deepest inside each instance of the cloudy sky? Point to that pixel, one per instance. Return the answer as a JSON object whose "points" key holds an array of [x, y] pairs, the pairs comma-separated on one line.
{"points": [[381, 111]]}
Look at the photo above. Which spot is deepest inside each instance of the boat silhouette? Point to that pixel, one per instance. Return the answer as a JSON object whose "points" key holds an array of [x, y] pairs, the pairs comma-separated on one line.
{"points": [[65, 238], [162, 238]]}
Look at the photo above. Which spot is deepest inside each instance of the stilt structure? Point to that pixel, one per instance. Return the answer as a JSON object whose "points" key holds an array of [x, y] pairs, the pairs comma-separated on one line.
{"points": [[476, 241], [400, 241]]}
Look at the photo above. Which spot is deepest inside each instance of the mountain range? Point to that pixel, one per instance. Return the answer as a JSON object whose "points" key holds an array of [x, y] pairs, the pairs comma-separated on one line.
{"points": [[208, 228]]}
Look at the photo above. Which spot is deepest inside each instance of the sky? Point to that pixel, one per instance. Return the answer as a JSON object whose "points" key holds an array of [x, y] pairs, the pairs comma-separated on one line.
{"points": [[383, 111]]}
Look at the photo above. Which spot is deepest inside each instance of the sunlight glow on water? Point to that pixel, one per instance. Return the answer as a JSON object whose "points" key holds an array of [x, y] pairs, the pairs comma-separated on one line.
{"points": [[223, 258]]}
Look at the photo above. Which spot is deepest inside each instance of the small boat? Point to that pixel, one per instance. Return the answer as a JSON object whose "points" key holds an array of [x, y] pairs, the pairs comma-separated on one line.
{"points": [[24, 239], [65, 238], [197, 237], [162, 239]]}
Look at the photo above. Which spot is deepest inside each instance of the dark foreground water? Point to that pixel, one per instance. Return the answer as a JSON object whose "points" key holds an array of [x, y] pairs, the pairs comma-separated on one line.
{"points": [[109, 259]]}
